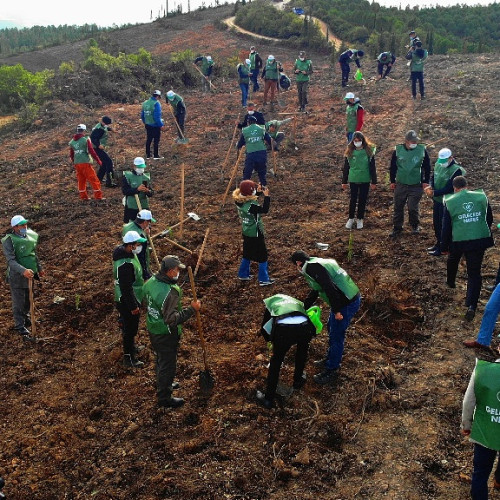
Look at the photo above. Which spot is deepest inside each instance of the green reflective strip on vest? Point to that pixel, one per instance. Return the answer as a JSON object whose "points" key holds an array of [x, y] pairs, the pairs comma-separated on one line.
{"points": [[280, 305], [104, 138], [250, 224], [81, 150], [352, 117], [302, 66], [24, 249], [359, 167], [138, 282], [254, 138], [468, 211], [339, 277], [271, 70], [409, 163], [149, 108], [134, 182], [442, 175], [486, 426]]}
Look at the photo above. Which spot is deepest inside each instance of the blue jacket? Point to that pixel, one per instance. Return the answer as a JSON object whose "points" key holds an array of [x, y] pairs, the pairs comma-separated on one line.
{"points": [[156, 114]]}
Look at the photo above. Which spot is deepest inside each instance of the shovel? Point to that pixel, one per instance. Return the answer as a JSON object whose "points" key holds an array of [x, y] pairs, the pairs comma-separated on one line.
{"points": [[207, 381], [183, 140], [206, 77], [190, 215], [32, 307]]}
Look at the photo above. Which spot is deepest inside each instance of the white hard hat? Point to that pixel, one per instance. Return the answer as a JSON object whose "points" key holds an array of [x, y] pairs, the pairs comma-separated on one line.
{"points": [[139, 161], [133, 237], [444, 154]]}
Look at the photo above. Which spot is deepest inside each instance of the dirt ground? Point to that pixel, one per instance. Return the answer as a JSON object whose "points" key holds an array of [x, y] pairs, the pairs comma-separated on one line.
{"points": [[77, 425]]}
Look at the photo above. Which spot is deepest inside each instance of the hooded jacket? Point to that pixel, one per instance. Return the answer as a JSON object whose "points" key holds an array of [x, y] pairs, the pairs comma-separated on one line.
{"points": [[90, 149]]}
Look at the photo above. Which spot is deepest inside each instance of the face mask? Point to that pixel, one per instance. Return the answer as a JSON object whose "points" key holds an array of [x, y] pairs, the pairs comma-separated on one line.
{"points": [[23, 231], [254, 192], [358, 143], [175, 278], [251, 113], [137, 250], [413, 146], [302, 58], [139, 171]]}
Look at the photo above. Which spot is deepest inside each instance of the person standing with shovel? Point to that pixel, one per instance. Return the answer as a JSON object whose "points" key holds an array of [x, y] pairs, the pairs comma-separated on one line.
{"points": [[178, 109], [165, 315]]}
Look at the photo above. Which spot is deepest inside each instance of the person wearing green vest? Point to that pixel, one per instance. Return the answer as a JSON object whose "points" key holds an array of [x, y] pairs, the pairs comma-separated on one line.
{"points": [[417, 58], [141, 225], [80, 151], [303, 69], [128, 281], [151, 116], [254, 137], [19, 248], [467, 219], [254, 243], [360, 172], [244, 80], [285, 324], [385, 59], [136, 182], [255, 67], [179, 109], [164, 317], [273, 129], [271, 75], [481, 422], [409, 175], [206, 68], [330, 282], [355, 115], [445, 170], [99, 139]]}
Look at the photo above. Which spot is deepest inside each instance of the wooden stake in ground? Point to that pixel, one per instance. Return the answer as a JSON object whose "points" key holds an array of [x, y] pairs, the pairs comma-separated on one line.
{"points": [[233, 174], [150, 241], [201, 251], [32, 307], [181, 225], [223, 168]]}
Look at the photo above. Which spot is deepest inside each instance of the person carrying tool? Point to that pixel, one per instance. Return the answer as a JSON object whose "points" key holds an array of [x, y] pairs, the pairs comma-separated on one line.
{"points": [[127, 274], [272, 128], [179, 109], [141, 225], [165, 315], [99, 139], [445, 170], [244, 80], [417, 57], [19, 247], [345, 59], [207, 66], [329, 281], [136, 182], [80, 151], [254, 243], [255, 67], [355, 114], [271, 74], [467, 219], [302, 69], [285, 323], [151, 116], [385, 59], [251, 111]]}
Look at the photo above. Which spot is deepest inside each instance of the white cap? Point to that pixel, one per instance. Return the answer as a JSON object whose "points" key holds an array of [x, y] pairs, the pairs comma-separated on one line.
{"points": [[170, 94], [349, 95], [270, 57], [16, 220], [247, 61], [81, 127], [157, 92], [139, 161], [145, 215], [444, 154], [209, 58], [133, 237]]}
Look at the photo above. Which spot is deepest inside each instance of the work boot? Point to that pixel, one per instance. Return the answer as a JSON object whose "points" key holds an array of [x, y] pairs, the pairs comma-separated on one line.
{"points": [[175, 386], [298, 384], [469, 315], [171, 403], [320, 363], [415, 230], [130, 362], [261, 399], [396, 232], [326, 377], [349, 223]]}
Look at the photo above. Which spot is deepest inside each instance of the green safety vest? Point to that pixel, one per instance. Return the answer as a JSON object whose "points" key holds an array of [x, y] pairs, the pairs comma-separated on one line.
{"points": [[104, 138], [155, 293], [149, 108], [486, 425], [276, 124], [175, 101], [281, 305], [302, 66], [385, 58], [271, 70], [417, 63], [24, 249], [339, 277], [246, 72], [135, 181], [205, 65], [252, 60], [132, 226], [442, 174], [354, 55], [81, 149], [352, 117], [254, 138], [409, 163], [359, 167], [250, 224], [468, 211], [138, 282]]}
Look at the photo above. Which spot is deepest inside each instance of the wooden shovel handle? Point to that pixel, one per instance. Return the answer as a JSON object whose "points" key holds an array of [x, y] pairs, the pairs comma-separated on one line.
{"points": [[32, 306], [198, 319]]}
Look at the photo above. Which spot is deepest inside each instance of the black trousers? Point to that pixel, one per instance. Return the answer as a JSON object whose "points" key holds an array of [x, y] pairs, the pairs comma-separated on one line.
{"points": [[181, 118], [346, 69], [106, 168], [417, 76], [359, 196], [284, 337], [130, 326], [474, 260], [152, 135], [437, 221], [165, 348]]}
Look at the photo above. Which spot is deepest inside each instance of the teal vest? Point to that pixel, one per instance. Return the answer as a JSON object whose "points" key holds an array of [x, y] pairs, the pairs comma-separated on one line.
{"points": [[254, 138], [132, 226], [104, 138], [354, 55], [486, 425], [149, 108], [352, 118], [442, 175], [271, 70], [205, 65], [417, 63], [155, 293], [302, 66], [359, 167], [81, 149], [467, 211], [276, 129], [252, 60], [339, 277], [245, 70], [250, 224], [138, 282], [409, 162], [385, 58], [135, 181], [24, 248], [281, 305], [175, 101]]}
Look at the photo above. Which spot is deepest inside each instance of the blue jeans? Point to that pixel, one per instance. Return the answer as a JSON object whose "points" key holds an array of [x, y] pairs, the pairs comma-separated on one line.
{"points": [[244, 93], [490, 317], [336, 331], [349, 136], [483, 463], [244, 270]]}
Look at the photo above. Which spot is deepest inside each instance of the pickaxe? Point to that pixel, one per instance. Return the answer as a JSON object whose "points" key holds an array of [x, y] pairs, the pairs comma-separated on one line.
{"points": [[190, 215]]}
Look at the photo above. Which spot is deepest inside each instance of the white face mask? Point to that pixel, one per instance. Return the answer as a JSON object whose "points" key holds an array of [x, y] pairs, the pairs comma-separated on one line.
{"points": [[176, 277], [251, 112], [137, 250], [302, 58], [139, 171], [412, 146], [358, 143]]}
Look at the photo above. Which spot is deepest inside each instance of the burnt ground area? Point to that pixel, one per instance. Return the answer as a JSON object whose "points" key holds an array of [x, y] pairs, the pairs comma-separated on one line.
{"points": [[76, 424]]}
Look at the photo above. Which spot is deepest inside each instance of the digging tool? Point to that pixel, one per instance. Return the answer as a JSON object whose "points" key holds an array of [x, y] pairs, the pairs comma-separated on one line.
{"points": [[207, 381], [32, 307], [230, 147], [201, 251], [150, 240], [181, 212], [179, 246], [433, 144], [233, 174], [273, 152], [190, 215], [206, 77], [183, 140]]}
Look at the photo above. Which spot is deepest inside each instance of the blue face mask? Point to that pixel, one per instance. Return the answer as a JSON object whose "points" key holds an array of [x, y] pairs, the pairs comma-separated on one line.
{"points": [[23, 231]]}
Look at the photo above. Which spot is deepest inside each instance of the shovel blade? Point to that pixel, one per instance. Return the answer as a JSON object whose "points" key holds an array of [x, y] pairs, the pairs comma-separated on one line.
{"points": [[193, 216], [207, 382]]}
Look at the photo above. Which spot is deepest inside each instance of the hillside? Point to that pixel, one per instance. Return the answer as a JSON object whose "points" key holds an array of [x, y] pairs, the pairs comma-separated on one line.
{"points": [[76, 424]]}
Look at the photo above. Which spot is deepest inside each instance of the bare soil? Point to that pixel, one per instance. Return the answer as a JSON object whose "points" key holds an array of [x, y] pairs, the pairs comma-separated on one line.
{"points": [[77, 425]]}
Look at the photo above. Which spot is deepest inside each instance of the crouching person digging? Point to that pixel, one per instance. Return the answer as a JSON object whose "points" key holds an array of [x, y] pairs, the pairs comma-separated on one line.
{"points": [[164, 318]]}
